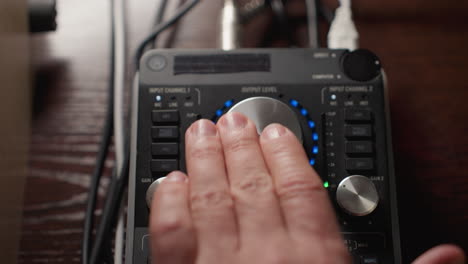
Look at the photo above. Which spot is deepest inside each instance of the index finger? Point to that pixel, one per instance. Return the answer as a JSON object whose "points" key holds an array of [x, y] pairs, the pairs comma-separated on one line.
{"points": [[303, 199]]}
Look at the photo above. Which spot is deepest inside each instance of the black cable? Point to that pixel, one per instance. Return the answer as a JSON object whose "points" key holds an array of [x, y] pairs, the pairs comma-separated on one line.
{"points": [[94, 186], [187, 6], [159, 17], [108, 256], [325, 12], [119, 179], [110, 211], [281, 17], [160, 13], [106, 136]]}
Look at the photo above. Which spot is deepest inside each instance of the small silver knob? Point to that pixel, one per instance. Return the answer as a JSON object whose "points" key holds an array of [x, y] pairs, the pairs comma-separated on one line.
{"points": [[265, 110], [357, 195], [151, 189]]}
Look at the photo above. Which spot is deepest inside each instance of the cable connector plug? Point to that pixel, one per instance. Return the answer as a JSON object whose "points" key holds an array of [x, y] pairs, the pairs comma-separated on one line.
{"points": [[343, 33]]}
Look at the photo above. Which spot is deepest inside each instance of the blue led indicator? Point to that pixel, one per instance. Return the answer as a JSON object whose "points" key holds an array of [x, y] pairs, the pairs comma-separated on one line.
{"points": [[311, 124], [158, 98], [304, 112], [315, 136], [315, 150], [294, 103], [312, 162], [228, 103], [219, 112]]}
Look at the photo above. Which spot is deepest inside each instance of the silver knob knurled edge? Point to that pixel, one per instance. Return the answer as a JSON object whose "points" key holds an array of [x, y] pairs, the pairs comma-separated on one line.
{"points": [[357, 195]]}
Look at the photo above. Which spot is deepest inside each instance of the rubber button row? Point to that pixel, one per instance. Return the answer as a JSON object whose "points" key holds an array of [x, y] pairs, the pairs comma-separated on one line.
{"points": [[359, 148], [165, 136]]}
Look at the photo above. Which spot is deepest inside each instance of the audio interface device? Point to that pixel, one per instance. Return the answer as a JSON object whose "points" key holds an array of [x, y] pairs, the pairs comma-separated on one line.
{"points": [[333, 100]]}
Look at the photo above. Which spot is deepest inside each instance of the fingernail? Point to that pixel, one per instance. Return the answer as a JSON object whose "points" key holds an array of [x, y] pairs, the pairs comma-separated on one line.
{"points": [[274, 131], [176, 177], [234, 121], [204, 128]]}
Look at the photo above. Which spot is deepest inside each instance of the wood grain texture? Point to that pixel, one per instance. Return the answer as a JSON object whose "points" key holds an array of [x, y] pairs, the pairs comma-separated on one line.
{"points": [[422, 45]]}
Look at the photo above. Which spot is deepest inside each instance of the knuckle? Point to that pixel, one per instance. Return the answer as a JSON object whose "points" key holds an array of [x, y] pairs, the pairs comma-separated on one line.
{"points": [[164, 227], [299, 187], [256, 184], [205, 151], [210, 199], [280, 148], [283, 149], [240, 144]]}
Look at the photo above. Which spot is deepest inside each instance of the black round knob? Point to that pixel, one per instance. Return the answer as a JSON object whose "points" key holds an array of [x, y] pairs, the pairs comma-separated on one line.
{"points": [[361, 65]]}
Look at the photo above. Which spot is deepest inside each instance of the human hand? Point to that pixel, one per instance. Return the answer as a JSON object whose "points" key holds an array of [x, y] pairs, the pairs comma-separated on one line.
{"points": [[248, 199]]}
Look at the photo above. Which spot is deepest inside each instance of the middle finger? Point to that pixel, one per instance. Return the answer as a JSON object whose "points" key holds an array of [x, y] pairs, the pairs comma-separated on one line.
{"points": [[210, 200], [255, 202]]}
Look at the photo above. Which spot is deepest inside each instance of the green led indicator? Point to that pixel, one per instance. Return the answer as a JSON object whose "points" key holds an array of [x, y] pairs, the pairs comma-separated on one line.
{"points": [[325, 184]]}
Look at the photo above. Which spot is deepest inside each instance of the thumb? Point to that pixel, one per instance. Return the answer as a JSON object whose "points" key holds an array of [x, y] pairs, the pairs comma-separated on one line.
{"points": [[442, 254]]}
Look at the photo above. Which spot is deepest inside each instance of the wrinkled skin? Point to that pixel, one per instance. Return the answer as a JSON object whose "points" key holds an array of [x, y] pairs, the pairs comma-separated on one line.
{"points": [[250, 199]]}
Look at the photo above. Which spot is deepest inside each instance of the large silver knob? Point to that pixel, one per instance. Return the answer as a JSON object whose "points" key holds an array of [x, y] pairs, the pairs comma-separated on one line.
{"points": [[357, 195], [151, 189], [265, 110]]}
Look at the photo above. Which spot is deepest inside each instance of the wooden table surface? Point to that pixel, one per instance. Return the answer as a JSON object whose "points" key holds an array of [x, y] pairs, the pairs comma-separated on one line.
{"points": [[423, 47]]}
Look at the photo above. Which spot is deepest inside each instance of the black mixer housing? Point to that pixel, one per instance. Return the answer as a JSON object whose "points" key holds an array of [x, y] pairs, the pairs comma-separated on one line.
{"points": [[340, 100]]}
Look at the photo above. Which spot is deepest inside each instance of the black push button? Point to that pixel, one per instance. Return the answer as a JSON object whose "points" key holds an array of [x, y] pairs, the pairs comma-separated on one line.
{"points": [[164, 149], [370, 259], [357, 115], [164, 165], [359, 164], [165, 132], [359, 147], [165, 116], [358, 131]]}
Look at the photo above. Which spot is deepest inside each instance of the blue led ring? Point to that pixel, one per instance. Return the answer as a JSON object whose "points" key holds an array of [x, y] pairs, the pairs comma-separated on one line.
{"points": [[303, 111], [312, 126], [223, 109]]}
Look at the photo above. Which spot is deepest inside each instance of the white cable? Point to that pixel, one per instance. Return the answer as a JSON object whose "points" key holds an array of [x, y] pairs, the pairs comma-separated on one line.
{"points": [[230, 26], [343, 33], [119, 114], [119, 83]]}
